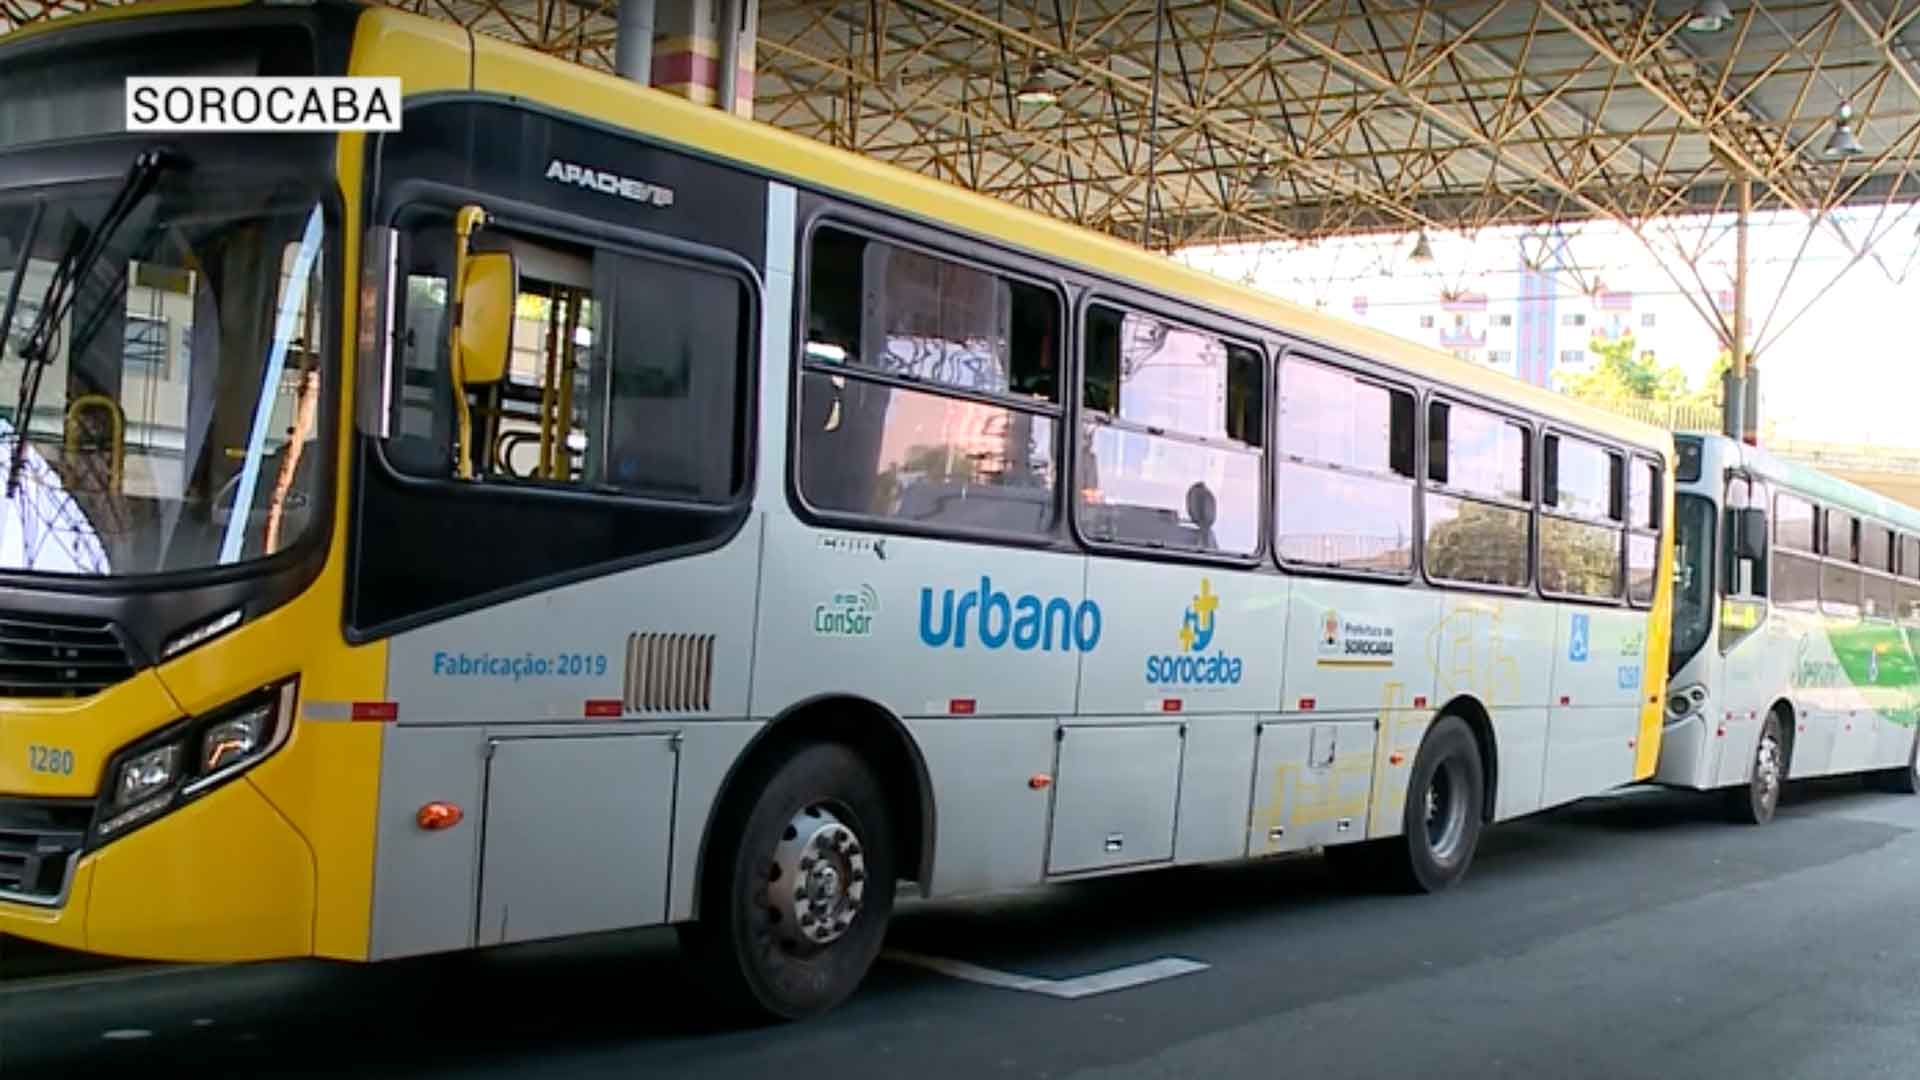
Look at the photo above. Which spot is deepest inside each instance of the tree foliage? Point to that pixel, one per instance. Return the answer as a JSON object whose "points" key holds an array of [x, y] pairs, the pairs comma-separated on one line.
{"points": [[1623, 373]]}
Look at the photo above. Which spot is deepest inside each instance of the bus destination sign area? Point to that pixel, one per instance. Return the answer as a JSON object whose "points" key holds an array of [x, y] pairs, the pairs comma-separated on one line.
{"points": [[262, 104]]}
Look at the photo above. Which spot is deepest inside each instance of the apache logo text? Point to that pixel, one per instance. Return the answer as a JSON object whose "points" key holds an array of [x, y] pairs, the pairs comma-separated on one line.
{"points": [[606, 183]]}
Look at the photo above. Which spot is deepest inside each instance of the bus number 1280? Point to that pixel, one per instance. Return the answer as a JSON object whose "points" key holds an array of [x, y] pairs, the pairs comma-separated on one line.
{"points": [[50, 759]]}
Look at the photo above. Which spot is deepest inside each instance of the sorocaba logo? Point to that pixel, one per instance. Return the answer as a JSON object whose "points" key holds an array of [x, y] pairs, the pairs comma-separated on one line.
{"points": [[1190, 667]]}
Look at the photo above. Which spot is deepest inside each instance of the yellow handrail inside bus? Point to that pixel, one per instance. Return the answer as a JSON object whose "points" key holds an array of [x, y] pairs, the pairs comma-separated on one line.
{"points": [[465, 222], [569, 366], [119, 423], [548, 389]]}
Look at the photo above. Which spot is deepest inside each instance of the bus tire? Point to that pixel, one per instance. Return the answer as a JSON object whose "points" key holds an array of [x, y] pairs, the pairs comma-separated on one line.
{"points": [[1443, 816], [1754, 802], [799, 890]]}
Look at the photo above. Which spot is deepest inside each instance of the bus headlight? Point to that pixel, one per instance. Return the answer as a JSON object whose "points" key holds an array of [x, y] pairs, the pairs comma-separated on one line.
{"points": [[231, 742], [189, 758], [146, 774], [1686, 701]]}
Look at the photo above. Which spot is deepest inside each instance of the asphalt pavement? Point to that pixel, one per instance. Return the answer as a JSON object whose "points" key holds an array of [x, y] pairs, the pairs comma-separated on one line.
{"points": [[1639, 935]]}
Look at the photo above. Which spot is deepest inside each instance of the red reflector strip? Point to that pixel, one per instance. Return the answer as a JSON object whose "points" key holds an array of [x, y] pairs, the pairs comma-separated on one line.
{"points": [[1171, 704], [961, 706], [1306, 704], [605, 707], [380, 711]]}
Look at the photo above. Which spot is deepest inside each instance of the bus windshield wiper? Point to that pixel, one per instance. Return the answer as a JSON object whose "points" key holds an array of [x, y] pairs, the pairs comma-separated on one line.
{"points": [[56, 302], [11, 303]]}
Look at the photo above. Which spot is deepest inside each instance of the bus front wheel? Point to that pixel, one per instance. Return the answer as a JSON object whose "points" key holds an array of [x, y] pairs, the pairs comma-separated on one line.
{"points": [[795, 905], [1755, 803]]}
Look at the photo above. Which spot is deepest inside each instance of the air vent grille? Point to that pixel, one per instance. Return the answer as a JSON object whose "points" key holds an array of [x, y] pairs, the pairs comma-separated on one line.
{"points": [[50, 656], [38, 841], [670, 673]]}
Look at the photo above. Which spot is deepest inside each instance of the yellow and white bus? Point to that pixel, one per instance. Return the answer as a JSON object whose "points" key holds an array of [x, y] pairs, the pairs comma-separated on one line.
{"points": [[580, 509]]}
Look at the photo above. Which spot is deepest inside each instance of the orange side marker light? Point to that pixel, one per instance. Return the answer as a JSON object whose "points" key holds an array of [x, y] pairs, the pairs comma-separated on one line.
{"points": [[438, 815]]}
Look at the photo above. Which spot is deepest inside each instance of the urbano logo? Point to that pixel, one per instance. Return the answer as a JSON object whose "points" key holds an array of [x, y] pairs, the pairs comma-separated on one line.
{"points": [[1191, 667], [1026, 622]]}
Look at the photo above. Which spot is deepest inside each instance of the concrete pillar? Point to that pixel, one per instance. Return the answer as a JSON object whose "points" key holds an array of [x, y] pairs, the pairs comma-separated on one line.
{"points": [[633, 48], [1738, 422], [697, 42]]}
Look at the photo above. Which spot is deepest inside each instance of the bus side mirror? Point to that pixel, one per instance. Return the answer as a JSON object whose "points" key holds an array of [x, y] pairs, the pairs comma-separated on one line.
{"points": [[1750, 533], [487, 291]]}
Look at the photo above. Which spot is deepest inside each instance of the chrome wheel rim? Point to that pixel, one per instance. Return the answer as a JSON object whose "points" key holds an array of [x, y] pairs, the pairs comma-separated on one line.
{"points": [[1766, 770], [1446, 811], [816, 880]]}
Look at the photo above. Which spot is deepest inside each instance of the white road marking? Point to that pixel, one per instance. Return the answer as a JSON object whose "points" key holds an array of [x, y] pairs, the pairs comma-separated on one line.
{"points": [[1100, 982], [123, 1034]]}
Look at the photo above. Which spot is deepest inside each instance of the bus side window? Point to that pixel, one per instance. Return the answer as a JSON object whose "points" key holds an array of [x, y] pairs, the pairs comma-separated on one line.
{"points": [[1344, 493], [1742, 577], [1643, 530], [1876, 561], [1795, 577], [929, 389], [1171, 454], [1581, 534], [625, 372], [1906, 590], [1839, 572], [1478, 511]]}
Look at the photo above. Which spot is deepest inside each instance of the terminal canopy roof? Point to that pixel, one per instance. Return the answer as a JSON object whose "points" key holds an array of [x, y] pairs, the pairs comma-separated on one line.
{"points": [[1202, 121]]}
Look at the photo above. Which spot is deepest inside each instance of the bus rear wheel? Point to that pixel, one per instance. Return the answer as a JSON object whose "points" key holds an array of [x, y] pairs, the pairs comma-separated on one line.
{"points": [[799, 890], [1755, 803], [1441, 824]]}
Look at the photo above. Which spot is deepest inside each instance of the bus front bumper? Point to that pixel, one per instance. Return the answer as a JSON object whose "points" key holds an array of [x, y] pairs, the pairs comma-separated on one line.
{"points": [[223, 878], [1687, 753]]}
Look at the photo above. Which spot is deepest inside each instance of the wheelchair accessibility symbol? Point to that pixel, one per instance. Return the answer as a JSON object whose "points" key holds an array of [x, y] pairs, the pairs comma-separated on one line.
{"points": [[1577, 642]]}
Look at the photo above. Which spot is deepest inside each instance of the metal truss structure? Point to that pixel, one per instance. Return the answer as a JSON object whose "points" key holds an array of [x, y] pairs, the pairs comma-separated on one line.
{"points": [[1182, 122]]}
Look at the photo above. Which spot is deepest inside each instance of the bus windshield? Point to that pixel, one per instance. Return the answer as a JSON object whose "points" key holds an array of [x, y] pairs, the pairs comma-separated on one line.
{"points": [[179, 378], [1692, 578]]}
